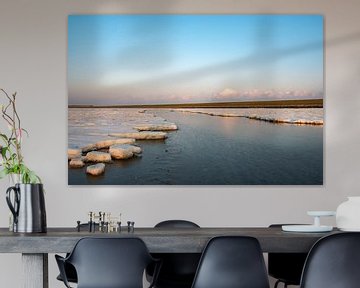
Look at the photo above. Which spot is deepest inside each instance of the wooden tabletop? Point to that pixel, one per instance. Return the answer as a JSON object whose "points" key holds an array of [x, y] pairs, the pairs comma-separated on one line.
{"points": [[158, 240]]}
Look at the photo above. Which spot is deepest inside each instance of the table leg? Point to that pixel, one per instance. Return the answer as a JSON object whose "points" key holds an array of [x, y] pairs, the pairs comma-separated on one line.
{"points": [[35, 270]]}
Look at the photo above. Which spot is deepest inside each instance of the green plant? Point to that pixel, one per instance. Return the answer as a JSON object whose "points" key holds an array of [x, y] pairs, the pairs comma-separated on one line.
{"points": [[12, 161]]}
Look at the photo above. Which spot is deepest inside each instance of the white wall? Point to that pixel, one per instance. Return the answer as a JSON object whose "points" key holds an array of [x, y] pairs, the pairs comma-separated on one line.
{"points": [[33, 47]]}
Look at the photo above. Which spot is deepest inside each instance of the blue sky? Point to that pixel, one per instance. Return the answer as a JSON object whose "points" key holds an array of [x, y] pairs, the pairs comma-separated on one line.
{"points": [[147, 59]]}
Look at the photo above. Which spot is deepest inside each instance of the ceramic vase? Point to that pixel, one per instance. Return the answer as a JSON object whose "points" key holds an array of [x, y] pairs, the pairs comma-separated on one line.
{"points": [[348, 215], [27, 204]]}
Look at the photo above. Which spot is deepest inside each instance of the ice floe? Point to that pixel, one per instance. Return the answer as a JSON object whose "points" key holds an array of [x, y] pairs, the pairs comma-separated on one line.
{"points": [[76, 163], [96, 156], [74, 153], [106, 144], [157, 127], [123, 151], [296, 116], [96, 169], [141, 135]]}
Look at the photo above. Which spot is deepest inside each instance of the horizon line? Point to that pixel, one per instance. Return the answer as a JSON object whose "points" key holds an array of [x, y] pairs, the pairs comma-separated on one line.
{"points": [[289, 103]]}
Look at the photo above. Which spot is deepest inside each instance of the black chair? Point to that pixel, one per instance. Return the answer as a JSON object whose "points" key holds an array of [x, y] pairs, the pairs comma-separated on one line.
{"points": [[108, 263], [178, 269], [232, 262], [286, 267], [70, 273], [176, 224], [333, 262], [69, 269]]}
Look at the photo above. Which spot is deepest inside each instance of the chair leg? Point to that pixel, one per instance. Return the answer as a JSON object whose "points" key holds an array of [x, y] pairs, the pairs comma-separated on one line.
{"points": [[278, 282]]}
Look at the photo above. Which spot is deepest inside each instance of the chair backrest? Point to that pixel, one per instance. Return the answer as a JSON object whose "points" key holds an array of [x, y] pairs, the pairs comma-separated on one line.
{"points": [[177, 268], [333, 262], [232, 262], [110, 262], [286, 266], [176, 224]]}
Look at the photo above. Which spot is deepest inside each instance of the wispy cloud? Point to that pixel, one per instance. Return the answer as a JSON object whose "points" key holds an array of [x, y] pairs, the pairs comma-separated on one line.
{"points": [[230, 94]]}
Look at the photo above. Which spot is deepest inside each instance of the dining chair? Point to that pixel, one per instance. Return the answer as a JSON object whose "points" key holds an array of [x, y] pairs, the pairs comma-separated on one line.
{"points": [[108, 263], [70, 271], [178, 269], [232, 262], [286, 267], [333, 262]]}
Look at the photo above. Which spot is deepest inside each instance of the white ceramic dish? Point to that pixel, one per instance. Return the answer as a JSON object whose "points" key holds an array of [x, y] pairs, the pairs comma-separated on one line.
{"points": [[321, 213], [350, 229], [306, 228]]}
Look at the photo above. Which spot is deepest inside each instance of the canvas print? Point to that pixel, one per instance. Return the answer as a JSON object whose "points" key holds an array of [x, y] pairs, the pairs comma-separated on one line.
{"points": [[195, 100]]}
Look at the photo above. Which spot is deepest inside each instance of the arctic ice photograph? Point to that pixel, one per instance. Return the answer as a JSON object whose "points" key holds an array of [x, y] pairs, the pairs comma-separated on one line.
{"points": [[195, 99]]}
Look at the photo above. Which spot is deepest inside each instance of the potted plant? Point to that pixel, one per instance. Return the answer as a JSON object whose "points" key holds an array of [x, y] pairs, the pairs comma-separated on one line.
{"points": [[26, 197], [12, 161]]}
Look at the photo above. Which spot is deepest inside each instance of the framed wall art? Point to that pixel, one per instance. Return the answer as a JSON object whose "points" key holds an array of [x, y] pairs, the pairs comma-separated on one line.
{"points": [[195, 99]]}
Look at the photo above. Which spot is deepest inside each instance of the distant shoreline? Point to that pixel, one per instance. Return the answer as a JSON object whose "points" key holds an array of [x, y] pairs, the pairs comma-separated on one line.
{"points": [[306, 103]]}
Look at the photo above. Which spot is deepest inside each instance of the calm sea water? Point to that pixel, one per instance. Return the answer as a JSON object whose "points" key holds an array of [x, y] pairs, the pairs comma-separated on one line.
{"points": [[206, 150]]}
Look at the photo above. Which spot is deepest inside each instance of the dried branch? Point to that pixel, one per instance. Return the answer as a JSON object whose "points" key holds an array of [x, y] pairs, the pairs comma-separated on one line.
{"points": [[12, 159]]}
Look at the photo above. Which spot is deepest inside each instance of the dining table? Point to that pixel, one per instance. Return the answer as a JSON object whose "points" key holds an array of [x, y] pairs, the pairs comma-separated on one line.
{"points": [[35, 247]]}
